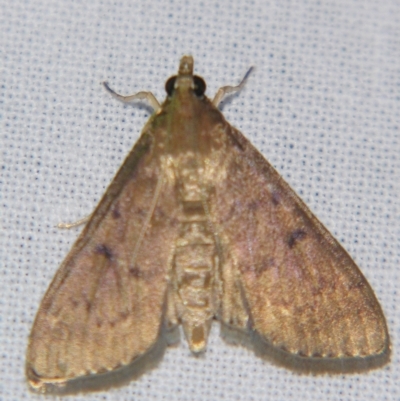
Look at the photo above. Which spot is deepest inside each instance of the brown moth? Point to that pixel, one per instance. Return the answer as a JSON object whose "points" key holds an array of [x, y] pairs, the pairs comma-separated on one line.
{"points": [[197, 226]]}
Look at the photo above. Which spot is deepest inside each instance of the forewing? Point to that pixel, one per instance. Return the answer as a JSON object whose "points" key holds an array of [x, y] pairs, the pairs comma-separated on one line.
{"points": [[301, 291], [105, 304]]}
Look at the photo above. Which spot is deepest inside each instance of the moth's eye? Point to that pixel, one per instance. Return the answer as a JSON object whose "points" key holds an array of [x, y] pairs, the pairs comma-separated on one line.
{"points": [[170, 85], [199, 86]]}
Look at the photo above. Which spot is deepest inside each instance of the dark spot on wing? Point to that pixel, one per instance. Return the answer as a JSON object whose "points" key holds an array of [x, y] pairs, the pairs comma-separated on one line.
{"points": [[254, 205], [116, 214], [141, 212], [135, 272], [266, 264], [121, 317], [102, 249], [88, 305], [276, 198], [295, 236]]}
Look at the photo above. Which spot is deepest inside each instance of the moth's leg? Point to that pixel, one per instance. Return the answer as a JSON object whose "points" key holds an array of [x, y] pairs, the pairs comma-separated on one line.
{"points": [[229, 89], [148, 96], [75, 223]]}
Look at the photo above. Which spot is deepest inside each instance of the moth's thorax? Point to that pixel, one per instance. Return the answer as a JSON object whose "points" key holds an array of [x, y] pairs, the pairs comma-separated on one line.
{"points": [[184, 106]]}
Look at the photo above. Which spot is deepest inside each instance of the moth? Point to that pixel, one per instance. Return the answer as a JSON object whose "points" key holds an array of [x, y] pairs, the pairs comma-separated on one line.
{"points": [[197, 226]]}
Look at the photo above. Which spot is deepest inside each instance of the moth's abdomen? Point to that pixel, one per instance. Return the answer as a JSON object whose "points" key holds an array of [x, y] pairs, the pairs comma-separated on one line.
{"points": [[194, 267], [194, 262]]}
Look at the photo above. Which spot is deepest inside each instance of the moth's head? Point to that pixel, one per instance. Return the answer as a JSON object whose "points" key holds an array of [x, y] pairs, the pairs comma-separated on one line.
{"points": [[185, 82]]}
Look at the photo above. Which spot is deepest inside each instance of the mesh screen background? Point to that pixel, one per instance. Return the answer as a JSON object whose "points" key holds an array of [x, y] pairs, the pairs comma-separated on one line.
{"points": [[322, 106]]}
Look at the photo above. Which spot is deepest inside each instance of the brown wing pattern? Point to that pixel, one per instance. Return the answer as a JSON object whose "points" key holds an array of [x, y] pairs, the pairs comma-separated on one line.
{"points": [[104, 307], [303, 292]]}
